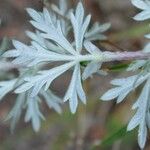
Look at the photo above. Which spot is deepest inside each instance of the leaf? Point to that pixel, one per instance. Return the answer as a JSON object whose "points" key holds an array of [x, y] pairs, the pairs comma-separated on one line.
{"points": [[44, 44], [90, 69], [91, 48], [15, 113], [4, 45], [124, 87], [136, 65], [145, 6], [74, 90], [140, 118], [96, 32], [51, 30], [51, 45], [6, 87], [52, 100], [79, 25], [64, 12], [62, 8], [33, 113], [44, 78], [140, 4], [144, 15], [32, 55]]}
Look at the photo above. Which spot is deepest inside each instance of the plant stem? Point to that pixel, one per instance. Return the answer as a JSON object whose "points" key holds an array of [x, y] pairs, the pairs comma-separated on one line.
{"points": [[114, 56], [138, 55], [98, 57]]}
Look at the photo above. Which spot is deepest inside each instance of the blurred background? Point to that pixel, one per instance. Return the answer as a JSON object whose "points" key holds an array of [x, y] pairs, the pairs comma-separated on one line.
{"points": [[98, 125]]}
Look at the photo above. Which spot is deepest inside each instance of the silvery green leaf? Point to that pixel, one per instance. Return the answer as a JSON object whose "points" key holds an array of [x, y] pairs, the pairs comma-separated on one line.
{"points": [[15, 113], [91, 48], [145, 6], [26, 55], [75, 90], [147, 36], [36, 37], [63, 11], [53, 55], [55, 48], [50, 44], [96, 32], [141, 4], [62, 8], [93, 66], [47, 45], [144, 15], [79, 88], [148, 118], [90, 69], [147, 48], [136, 65], [43, 78], [37, 16], [32, 55], [140, 118], [124, 87], [33, 113], [50, 29], [6, 87], [52, 100], [56, 9], [80, 25], [4, 46]]}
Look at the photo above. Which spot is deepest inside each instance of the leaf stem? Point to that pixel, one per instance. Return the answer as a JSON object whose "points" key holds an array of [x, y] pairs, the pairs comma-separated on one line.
{"points": [[138, 55], [114, 56]]}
